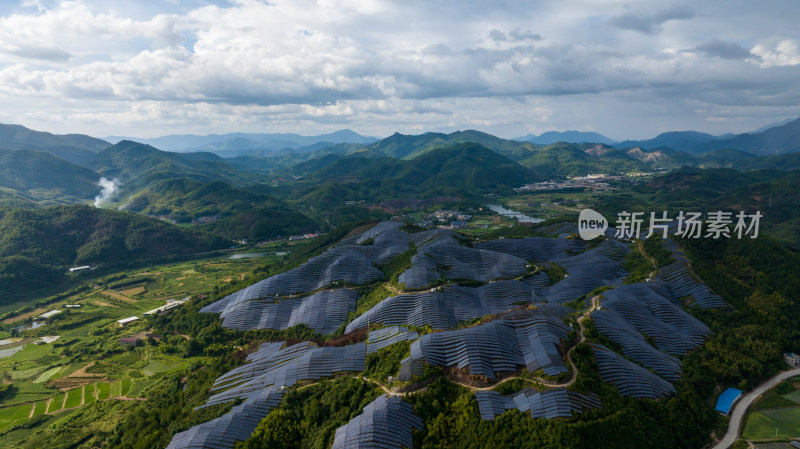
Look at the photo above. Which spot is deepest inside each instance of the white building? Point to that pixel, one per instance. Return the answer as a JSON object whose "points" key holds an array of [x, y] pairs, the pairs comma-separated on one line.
{"points": [[792, 359], [49, 314], [125, 321]]}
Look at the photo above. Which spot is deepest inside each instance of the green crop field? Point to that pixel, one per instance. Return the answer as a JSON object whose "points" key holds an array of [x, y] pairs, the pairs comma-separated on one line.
{"points": [[46, 375], [793, 396], [88, 395], [126, 387], [158, 366], [74, 398], [116, 389], [103, 391], [763, 424], [138, 388], [9, 415], [57, 404], [40, 408]]}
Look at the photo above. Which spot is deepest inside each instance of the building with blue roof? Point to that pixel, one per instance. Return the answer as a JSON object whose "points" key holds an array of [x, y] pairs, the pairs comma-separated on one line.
{"points": [[726, 400]]}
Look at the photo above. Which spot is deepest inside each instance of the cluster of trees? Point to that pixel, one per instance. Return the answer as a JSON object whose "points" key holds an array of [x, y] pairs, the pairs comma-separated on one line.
{"points": [[38, 245]]}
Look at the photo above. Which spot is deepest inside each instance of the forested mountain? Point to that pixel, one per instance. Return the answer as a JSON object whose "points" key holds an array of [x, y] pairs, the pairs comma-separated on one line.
{"points": [[467, 168], [779, 139], [566, 159], [264, 223], [776, 140], [76, 148], [689, 141], [38, 245], [41, 176], [260, 144], [185, 198], [136, 165], [775, 193], [549, 137]]}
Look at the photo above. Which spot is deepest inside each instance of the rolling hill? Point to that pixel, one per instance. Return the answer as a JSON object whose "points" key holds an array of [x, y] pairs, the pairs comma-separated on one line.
{"points": [[38, 245], [566, 159], [551, 137], [259, 144], [76, 148], [466, 165], [779, 139], [136, 165], [776, 140], [40, 176]]}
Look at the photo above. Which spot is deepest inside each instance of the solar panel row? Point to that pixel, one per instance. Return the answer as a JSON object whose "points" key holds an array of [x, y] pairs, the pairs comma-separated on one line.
{"points": [[323, 311], [382, 338], [452, 261], [236, 425], [447, 307], [553, 403], [352, 261], [386, 423], [303, 361], [629, 378], [526, 339]]}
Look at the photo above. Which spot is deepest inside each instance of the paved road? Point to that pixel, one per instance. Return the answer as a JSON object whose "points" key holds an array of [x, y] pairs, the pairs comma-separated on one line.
{"points": [[744, 403]]}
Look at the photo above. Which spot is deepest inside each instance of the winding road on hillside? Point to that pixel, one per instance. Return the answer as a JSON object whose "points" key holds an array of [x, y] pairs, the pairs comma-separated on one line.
{"points": [[744, 403]]}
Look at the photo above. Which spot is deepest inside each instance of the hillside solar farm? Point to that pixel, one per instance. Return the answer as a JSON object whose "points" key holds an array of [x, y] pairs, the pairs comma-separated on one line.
{"points": [[483, 313]]}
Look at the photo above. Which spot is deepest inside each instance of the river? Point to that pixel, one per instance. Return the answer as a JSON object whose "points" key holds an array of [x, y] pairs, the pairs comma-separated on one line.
{"points": [[510, 213]]}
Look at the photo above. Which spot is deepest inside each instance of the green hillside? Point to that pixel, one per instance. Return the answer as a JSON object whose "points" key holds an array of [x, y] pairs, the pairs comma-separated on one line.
{"points": [[468, 165], [407, 147], [263, 224], [184, 199], [136, 165], [38, 245], [76, 148], [41, 176], [776, 194], [566, 159], [789, 161]]}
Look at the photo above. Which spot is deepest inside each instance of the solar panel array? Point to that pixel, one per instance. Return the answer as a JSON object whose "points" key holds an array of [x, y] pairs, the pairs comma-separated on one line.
{"points": [[452, 261], [561, 229], [303, 361], [526, 339], [629, 378], [677, 281], [432, 236], [516, 338], [389, 241], [386, 423], [236, 425], [351, 261], [553, 403], [410, 367], [447, 307], [634, 345], [586, 270], [382, 338], [341, 263], [538, 249], [644, 308], [323, 311]]}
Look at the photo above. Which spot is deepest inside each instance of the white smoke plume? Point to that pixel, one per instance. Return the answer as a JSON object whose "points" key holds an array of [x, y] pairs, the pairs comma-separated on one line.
{"points": [[107, 189]]}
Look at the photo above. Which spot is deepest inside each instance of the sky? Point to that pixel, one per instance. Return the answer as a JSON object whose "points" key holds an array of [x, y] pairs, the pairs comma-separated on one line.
{"points": [[625, 69]]}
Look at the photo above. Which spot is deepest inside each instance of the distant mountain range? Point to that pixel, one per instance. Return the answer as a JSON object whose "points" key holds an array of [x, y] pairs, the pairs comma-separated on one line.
{"points": [[551, 137], [234, 144], [76, 148], [38, 168], [779, 139]]}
